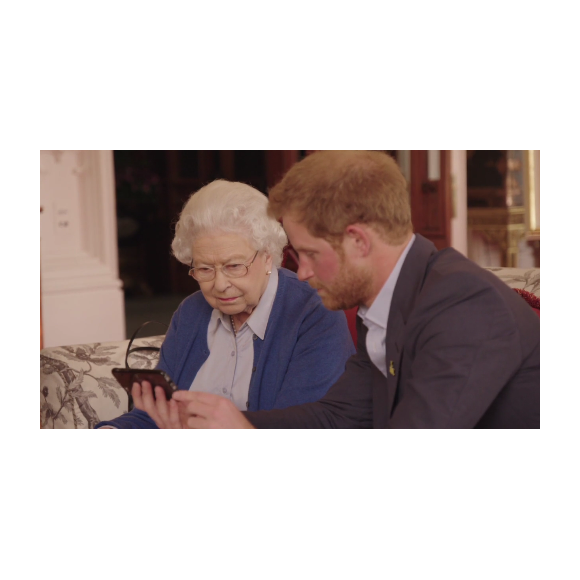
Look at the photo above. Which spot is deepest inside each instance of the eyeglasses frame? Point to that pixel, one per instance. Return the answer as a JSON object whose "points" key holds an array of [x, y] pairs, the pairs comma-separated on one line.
{"points": [[192, 269]]}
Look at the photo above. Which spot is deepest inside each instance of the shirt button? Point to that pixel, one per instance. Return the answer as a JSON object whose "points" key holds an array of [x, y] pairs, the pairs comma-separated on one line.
{"points": [[224, 390], [233, 353]]}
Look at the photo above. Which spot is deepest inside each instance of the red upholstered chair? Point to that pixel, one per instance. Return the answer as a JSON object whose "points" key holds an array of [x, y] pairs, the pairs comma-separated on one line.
{"points": [[290, 259], [531, 299], [351, 321]]}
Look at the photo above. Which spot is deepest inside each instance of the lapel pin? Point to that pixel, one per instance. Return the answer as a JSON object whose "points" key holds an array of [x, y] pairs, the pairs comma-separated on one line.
{"points": [[392, 368]]}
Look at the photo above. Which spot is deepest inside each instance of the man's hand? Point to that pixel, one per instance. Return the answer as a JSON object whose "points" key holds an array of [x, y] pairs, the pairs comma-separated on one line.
{"points": [[206, 411], [165, 413]]}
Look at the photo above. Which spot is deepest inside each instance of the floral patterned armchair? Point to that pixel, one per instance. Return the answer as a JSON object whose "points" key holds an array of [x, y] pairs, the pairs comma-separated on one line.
{"points": [[77, 389]]}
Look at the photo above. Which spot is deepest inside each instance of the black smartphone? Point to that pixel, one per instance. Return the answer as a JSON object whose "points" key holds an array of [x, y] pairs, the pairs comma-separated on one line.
{"points": [[157, 378]]}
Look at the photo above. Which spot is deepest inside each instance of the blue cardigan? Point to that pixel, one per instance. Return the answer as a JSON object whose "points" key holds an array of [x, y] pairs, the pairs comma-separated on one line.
{"points": [[303, 353]]}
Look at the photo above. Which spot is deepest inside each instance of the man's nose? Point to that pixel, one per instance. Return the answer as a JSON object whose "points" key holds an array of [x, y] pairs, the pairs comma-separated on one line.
{"points": [[304, 270]]}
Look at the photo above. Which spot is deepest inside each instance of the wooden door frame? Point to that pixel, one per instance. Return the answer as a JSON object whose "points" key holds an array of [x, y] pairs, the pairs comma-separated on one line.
{"points": [[278, 162], [431, 199]]}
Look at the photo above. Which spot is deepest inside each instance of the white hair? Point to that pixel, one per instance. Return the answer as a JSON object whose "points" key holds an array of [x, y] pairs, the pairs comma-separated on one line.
{"points": [[230, 207]]}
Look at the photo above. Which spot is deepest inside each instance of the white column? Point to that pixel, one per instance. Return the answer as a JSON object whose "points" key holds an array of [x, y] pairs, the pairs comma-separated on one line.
{"points": [[459, 201], [82, 299]]}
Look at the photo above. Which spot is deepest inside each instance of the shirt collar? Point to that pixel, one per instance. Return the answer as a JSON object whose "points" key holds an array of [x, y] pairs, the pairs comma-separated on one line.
{"points": [[258, 320], [378, 312]]}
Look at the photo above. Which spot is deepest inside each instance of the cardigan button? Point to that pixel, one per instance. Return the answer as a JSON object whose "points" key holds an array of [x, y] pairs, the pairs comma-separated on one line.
{"points": [[255, 336], [253, 369]]}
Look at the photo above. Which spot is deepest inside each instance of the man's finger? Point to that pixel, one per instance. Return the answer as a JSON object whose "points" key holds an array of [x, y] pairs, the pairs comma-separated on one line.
{"points": [[197, 422], [200, 409], [189, 396]]}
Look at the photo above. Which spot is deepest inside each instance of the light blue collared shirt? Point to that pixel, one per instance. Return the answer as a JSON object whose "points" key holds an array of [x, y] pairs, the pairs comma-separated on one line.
{"points": [[376, 317], [228, 369]]}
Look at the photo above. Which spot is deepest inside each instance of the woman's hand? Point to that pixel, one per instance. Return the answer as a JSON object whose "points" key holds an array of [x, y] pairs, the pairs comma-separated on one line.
{"points": [[165, 413], [207, 411]]}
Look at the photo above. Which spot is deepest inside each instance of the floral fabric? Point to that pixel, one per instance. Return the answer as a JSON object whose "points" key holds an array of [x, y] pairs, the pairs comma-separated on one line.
{"points": [[77, 389], [523, 278]]}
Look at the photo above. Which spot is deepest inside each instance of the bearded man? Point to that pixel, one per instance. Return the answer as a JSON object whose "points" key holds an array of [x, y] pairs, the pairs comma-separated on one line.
{"points": [[442, 343]]}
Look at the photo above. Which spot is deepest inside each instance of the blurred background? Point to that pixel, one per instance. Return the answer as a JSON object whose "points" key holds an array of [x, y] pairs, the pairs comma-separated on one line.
{"points": [[108, 218], [151, 189]]}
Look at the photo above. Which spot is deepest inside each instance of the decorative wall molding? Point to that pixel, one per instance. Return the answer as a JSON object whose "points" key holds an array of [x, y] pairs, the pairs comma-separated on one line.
{"points": [[56, 155], [496, 216], [81, 290], [78, 226], [504, 227]]}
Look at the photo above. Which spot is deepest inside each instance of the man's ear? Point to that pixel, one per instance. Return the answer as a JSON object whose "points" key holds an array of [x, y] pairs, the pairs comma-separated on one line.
{"points": [[357, 240]]}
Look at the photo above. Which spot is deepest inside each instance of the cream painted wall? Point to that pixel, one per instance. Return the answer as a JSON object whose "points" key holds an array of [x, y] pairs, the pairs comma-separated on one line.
{"points": [[82, 299]]}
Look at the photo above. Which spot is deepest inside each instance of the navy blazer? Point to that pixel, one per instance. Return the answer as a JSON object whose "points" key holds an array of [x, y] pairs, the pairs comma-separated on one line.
{"points": [[462, 351]]}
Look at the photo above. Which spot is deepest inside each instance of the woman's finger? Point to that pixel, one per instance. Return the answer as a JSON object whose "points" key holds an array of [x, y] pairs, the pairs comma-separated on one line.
{"points": [[161, 408], [149, 401], [136, 394], [174, 419]]}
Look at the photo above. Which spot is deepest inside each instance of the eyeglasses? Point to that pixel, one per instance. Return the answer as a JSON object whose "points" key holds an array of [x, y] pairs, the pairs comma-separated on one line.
{"points": [[205, 273]]}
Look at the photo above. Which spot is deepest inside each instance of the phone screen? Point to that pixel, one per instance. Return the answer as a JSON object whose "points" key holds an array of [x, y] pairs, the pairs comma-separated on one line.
{"points": [[157, 378]]}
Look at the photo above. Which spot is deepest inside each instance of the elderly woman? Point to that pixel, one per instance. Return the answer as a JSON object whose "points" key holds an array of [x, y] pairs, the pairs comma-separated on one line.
{"points": [[254, 333]]}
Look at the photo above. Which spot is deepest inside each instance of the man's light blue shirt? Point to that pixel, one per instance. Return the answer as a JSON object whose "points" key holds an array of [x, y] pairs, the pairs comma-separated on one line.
{"points": [[376, 317]]}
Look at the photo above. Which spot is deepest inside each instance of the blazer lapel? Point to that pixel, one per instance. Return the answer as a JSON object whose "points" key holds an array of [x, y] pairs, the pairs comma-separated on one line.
{"points": [[408, 286], [393, 352]]}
